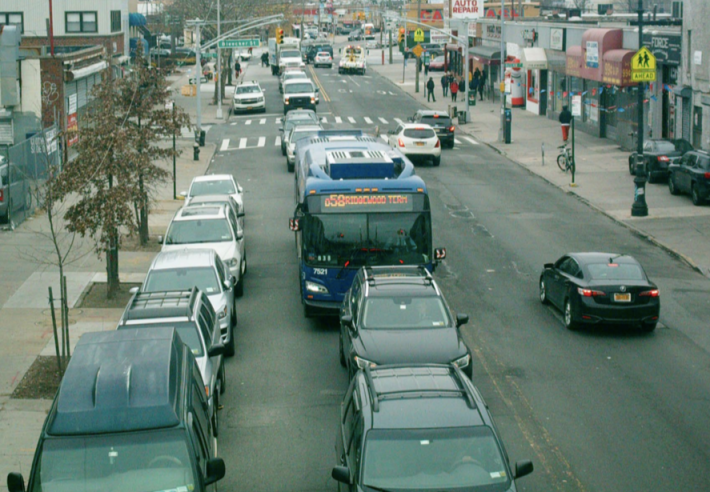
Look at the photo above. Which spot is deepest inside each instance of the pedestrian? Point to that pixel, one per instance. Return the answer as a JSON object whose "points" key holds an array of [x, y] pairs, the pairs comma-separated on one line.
{"points": [[237, 68], [454, 88], [430, 89], [473, 85], [482, 83], [565, 120], [445, 84], [264, 59], [426, 66], [462, 84]]}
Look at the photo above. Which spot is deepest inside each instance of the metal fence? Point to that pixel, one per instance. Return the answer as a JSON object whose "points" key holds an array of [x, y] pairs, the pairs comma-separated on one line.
{"points": [[23, 170]]}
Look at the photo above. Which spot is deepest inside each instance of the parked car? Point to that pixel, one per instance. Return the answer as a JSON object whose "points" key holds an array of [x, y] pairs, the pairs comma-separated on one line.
{"points": [[416, 140], [440, 121], [438, 64], [323, 59], [215, 184], [658, 154], [131, 410], [211, 200], [248, 96], [592, 288], [691, 175], [420, 427], [15, 190]]}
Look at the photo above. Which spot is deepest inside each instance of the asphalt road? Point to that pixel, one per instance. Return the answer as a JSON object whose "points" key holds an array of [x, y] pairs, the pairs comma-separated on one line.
{"points": [[603, 409]]}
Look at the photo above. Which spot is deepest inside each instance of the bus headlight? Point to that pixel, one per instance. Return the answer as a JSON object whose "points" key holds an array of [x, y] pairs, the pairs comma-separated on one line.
{"points": [[315, 288]]}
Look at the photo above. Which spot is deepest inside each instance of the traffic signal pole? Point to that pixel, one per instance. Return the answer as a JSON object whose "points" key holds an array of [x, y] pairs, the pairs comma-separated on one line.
{"points": [[640, 207]]}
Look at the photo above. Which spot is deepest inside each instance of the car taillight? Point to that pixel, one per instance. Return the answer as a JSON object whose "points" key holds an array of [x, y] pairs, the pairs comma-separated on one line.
{"points": [[650, 293], [313, 99], [400, 142], [2, 196], [590, 292], [663, 158], [707, 176], [438, 144], [286, 100], [451, 128]]}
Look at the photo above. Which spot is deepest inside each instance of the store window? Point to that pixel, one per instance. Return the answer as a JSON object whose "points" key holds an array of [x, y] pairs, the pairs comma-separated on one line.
{"points": [[115, 20], [79, 22], [12, 19]]}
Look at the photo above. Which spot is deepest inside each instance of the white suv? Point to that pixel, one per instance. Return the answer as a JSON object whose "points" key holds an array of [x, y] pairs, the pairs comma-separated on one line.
{"points": [[416, 140], [249, 96]]}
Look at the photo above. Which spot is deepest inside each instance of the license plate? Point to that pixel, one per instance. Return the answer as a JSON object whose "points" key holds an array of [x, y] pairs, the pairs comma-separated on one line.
{"points": [[250, 107], [420, 144], [622, 297]]}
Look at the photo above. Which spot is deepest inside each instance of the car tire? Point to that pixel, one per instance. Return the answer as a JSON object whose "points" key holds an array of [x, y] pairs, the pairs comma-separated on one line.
{"points": [[215, 417], [451, 143], [231, 346], [223, 386], [436, 161], [695, 196], [246, 265], [649, 327], [6, 217], [671, 185], [568, 316], [290, 166], [343, 362], [239, 290], [543, 292]]}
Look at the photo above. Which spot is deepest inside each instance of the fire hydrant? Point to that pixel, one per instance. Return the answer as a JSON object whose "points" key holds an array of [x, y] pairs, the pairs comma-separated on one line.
{"points": [[196, 151]]}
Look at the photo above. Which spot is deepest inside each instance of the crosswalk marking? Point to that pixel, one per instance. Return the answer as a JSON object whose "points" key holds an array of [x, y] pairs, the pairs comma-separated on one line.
{"points": [[368, 120], [247, 122], [277, 143], [242, 143], [278, 120], [233, 124], [457, 141], [470, 140], [262, 142], [324, 120], [398, 120], [262, 121], [351, 119], [338, 119], [383, 138], [225, 145], [383, 120]]}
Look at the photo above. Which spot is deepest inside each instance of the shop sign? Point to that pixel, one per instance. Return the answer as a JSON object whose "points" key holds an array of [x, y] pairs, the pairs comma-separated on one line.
{"points": [[557, 39], [492, 32], [665, 47], [577, 106], [616, 73], [72, 122], [593, 54], [466, 9]]}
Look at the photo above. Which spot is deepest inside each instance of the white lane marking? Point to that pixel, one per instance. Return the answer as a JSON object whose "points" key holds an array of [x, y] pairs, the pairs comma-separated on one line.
{"points": [[351, 119], [262, 142], [392, 93], [398, 120], [383, 120], [470, 140], [368, 120], [277, 142], [243, 143], [354, 81], [383, 138], [324, 120], [233, 124], [338, 119], [225, 145], [457, 141], [278, 120], [247, 122], [262, 121]]}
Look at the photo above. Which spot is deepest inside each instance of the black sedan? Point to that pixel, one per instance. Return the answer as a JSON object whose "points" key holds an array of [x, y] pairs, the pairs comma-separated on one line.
{"points": [[692, 176], [658, 154], [440, 122], [593, 288]]}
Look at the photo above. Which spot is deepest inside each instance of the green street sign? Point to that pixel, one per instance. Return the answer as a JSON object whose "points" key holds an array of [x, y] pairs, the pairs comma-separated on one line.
{"points": [[514, 65], [239, 43]]}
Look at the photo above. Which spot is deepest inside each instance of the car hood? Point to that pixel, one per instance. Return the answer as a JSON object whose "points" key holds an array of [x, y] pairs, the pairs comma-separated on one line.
{"points": [[225, 250], [218, 300], [299, 94], [440, 345]]}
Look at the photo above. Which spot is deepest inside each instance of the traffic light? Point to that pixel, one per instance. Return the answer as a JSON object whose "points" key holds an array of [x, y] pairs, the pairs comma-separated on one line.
{"points": [[279, 36], [400, 39]]}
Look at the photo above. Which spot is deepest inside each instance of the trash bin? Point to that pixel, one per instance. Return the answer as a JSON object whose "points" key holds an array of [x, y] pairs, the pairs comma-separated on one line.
{"points": [[452, 111], [202, 138], [471, 98], [462, 117], [507, 130]]}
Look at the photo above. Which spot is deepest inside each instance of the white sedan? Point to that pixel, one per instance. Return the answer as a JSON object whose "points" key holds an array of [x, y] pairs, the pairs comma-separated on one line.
{"points": [[324, 59], [416, 140], [216, 184]]}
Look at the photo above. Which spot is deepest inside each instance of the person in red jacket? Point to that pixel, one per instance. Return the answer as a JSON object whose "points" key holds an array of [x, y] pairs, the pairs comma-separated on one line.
{"points": [[454, 88]]}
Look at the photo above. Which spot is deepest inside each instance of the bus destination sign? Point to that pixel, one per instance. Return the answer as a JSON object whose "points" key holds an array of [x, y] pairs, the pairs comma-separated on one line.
{"points": [[384, 202]]}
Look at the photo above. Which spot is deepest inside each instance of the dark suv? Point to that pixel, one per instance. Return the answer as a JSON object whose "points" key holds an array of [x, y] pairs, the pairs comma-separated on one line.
{"points": [[440, 121], [397, 314], [130, 414], [691, 175], [423, 427], [313, 50]]}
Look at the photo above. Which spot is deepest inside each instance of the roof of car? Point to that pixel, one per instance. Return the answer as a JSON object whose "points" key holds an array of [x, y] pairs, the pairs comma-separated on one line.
{"points": [[423, 126], [212, 177], [297, 81], [251, 82], [187, 258], [592, 257], [216, 211], [421, 396], [120, 381], [306, 128], [209, 199], [429, 112]]}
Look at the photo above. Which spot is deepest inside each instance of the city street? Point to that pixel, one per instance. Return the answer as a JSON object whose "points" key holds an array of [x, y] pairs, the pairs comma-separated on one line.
{"points": [[604, 409]]}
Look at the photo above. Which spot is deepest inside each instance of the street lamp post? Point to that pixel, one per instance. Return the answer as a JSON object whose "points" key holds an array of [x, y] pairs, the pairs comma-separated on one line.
{"points": [[501, 133], [639, 207], [219, 62]]}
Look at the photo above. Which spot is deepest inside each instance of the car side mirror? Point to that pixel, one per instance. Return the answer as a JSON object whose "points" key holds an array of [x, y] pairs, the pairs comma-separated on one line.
{"points": [[215, 350], [522, 468], [240, 235], [240, 214], [134, 290], [228, 284], [317, 89], [160, 239], [439, 253], [15, 482], [347, 320], [548, 265], [461, 319], [281, 129], [215, 470], [294, 224], [240, 189], [341, 474], [183, 194]]}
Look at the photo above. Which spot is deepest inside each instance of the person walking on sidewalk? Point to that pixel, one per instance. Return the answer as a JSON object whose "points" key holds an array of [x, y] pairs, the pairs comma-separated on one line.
{"points": [[445, 84], [430, 90], [454, 88], [237, 68], [565, 120], [482, 83]]}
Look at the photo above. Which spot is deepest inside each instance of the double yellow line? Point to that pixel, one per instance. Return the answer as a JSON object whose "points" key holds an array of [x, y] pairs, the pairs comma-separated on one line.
{"points": [[320, 86]]}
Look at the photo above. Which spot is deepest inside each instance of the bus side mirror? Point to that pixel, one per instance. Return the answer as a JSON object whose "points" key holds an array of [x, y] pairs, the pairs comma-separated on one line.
{"points": [[15, 482], [294, 224], [439, 253]]}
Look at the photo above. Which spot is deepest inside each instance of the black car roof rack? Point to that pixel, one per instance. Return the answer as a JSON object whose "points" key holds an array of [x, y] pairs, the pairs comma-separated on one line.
{"points": [[376, 396]]}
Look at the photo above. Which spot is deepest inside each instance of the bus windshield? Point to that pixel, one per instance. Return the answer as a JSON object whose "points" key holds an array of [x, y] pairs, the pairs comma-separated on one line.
{"points": [[345, 239]]}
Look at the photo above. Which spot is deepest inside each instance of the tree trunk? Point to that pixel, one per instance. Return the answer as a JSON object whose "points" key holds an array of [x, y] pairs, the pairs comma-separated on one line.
{"points": [[143, 219], [112, 282]]}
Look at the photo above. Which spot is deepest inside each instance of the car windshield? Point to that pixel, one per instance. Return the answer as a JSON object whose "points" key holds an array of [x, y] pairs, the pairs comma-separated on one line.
{"points": [[465, 458], [366, 239], [404, 312], [199, 231], [248, 89], [212, 187], [663, 146], [298, 87], [291, 54], [436, 120], [300, 135], [439, 59], [615, 271], [682, 145], [353, 51], [138, 461], [187, 331], [295, 75], [204, 278], [419, 133], [323, 54]]}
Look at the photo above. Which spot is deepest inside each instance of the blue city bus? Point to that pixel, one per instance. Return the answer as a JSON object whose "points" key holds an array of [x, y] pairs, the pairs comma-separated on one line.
{"points": [[358, 207]]}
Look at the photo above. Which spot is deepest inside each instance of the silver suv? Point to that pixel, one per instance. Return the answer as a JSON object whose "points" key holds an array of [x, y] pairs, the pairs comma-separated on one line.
{"points": [[201, 268]]}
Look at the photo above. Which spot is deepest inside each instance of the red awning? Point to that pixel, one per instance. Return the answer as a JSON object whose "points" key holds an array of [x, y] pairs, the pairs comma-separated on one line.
{"points": [[616, 67], [574, 61]]}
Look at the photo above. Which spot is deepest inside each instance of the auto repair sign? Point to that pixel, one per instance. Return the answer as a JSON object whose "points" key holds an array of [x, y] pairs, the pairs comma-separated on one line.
{"points": [[466, 9]]}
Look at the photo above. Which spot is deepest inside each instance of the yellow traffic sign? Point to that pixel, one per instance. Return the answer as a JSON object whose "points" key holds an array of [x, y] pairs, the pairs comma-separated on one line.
{"points": [[419, 36], [643, 76], [643, 60], [418, 50]]}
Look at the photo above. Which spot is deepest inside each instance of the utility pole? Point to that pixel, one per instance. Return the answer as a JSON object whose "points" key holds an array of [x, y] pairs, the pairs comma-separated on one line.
{"points": [[465, 74], [198, 76], [51, 28], [418, 58], [303, 12], [501, 133], [404, 45], [639, 207], [219, 62]]}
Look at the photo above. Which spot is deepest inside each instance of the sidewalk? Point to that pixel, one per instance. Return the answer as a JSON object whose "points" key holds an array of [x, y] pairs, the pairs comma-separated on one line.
{"points": [[602, 176]]}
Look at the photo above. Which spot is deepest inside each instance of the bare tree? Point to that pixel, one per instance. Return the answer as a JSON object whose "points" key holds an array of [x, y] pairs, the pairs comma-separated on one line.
{"points": [[582, 5]]}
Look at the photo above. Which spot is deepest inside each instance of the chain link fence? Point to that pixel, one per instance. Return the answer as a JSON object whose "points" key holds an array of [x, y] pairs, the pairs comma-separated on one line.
{"points": [[23, 169]]}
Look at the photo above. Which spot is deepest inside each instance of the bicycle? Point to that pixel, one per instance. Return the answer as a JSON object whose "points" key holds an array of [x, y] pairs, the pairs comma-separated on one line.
{"points": [[565, 160]]}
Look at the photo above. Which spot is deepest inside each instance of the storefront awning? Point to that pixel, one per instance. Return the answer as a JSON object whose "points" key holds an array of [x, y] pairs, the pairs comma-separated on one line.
{"points": [[82, 72], [534, 59], [616, 67], [135, 19], [485, 54], [683, 91]]}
